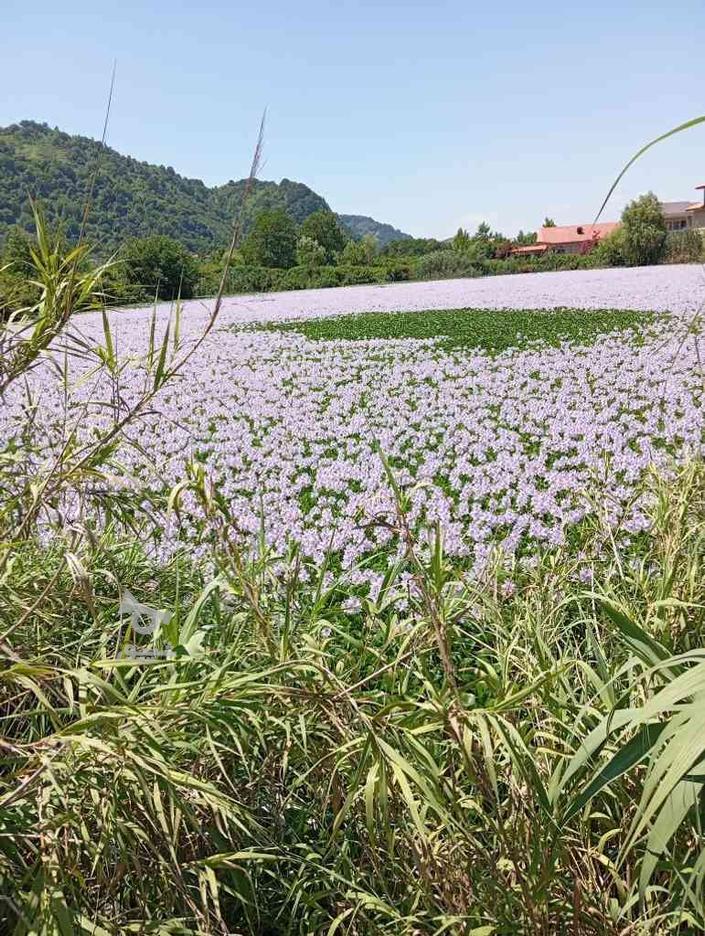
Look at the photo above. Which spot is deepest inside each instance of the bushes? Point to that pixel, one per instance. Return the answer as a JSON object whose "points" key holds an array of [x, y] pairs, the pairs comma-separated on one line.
{"points": [[16, 265], [309, 253], [443, 264], [360, 253], [643, 230], [149, 266], [247, 279], [546, 263], [684, 247], [398, 271], [610, 251]]}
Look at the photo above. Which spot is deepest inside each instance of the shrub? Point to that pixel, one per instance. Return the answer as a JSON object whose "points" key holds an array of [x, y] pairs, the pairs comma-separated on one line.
{"points": [[309, 253], [359, 275], [643, 231], [360, 253], [610, 251], [398, 271], [307, 278], [684, 247], [154, 265], [17, 290], [442, 264]]}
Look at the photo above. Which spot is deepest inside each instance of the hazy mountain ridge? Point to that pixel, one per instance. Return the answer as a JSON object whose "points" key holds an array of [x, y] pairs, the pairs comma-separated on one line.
{"points": [[133, 198], [359, 225]]}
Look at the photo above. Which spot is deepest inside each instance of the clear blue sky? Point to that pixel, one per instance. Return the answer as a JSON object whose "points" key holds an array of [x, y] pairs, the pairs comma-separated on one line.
{"points": [[428, 114]]}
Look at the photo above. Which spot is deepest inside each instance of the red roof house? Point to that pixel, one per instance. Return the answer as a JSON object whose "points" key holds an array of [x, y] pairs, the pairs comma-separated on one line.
{"points": [[579, 238]]}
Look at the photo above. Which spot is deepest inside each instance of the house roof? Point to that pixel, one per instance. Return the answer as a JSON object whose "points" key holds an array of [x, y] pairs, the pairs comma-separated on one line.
{"points": [[672, 208], [530, 248], [576, 233], [695, 206]]}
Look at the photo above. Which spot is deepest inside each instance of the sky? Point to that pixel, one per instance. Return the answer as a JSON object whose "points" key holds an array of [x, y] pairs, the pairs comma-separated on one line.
{"points": [[427, 115]]}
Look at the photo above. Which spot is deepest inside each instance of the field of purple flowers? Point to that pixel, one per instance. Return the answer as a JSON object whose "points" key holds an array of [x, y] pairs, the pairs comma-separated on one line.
{"points": [[504, 450]]}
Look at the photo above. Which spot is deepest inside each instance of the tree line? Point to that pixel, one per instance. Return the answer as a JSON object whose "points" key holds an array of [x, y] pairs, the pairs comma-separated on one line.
{"points": [[279, 253]]}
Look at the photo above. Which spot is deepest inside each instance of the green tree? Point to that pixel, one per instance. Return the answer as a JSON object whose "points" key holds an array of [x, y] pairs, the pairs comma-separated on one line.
{"points": [[360, 253], [272, 241], [461, 241], [643, 231], [610, 250], [549, 222], [158, 264], [483, 243], [324, 227], [309, 252]]}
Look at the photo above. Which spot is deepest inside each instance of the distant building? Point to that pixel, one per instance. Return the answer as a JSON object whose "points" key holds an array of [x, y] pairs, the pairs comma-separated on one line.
{"points": [[582, 238], [683, 215], [567, 239], [674, 214]]}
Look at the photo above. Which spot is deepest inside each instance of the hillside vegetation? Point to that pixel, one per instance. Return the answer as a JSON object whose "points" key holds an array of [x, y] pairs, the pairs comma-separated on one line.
{"points": [[133, 198], [359, 225]]}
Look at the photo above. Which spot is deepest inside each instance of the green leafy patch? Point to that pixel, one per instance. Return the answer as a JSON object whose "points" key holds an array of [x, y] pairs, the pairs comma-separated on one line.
{"points": [[485, 329]]}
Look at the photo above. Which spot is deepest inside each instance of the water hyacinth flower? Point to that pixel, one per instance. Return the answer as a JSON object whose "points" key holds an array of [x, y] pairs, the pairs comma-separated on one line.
{"points": [[502, 451]]}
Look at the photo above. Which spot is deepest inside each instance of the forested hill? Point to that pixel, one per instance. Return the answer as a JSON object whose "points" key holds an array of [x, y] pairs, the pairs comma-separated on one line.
{"points": [[359, 225], [133, 198]]}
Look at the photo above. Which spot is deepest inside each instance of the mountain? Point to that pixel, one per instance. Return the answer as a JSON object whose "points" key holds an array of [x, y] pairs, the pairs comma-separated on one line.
{"points": [[359, 225], [133, 198]]}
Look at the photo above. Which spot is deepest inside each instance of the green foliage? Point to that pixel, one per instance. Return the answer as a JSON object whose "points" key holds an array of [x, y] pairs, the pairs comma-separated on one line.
{"points": [[360, 252], [398, 271], [389, 769], [359, 226], [462, 240], [644, 231], [611, 251], [135, 199], [411, 247], [481, 246], [492, 330], [442, 264], [684, 247], [17, 291], [155, 266], [323, 226], [243, 278], [549, 222], [131, 198], [309, 253], [59, 282], [547, 262], [272, 241]]}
